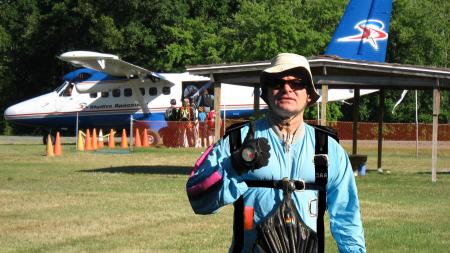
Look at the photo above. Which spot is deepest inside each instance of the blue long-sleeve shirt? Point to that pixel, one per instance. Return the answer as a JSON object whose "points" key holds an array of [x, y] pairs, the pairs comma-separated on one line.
{"points": [[214, 183]]}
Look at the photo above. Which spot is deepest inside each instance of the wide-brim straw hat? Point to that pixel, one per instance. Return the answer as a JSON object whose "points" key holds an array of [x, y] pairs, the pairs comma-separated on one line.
{"points": [[288, 63]]}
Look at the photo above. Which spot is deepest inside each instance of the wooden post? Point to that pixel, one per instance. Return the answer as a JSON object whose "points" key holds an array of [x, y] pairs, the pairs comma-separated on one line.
{"points": [[436, 108], [355, 121], [323, 113], [380, 128], [217, 122], [323, 116]]}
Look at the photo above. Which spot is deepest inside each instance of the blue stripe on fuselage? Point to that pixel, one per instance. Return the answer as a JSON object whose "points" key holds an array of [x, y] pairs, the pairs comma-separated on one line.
{"points": [[99, 119]]}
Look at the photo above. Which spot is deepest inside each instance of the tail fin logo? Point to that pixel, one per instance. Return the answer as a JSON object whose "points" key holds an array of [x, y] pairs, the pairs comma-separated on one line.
{"points": [[370, 30]]}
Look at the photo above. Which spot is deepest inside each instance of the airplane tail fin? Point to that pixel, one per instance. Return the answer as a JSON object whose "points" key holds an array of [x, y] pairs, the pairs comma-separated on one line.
{"points": [[362, 32]]}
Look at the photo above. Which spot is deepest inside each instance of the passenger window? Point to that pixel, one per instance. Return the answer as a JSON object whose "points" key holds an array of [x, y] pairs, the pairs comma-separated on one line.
{"points": [[152, 91], [93, 95], [105, 94], [142, 91], [116, 93], [166, 90], [127, 92]]}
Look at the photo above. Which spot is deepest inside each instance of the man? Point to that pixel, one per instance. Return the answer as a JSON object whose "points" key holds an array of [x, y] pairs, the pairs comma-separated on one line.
{"points": [[171, 113], [207, 101], [202, 126], [280, 146], [171, 133]]}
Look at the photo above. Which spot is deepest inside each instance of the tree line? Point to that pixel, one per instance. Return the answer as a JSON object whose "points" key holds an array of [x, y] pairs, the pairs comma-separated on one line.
{"points": [[168, 35]]}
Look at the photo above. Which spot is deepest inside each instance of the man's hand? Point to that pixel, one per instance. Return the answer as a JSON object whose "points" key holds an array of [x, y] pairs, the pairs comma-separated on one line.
{"points": [[253, 154]]}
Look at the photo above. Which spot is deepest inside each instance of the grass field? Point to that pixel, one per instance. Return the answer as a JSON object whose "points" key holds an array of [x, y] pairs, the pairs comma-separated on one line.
{"points": [[103, 202]]}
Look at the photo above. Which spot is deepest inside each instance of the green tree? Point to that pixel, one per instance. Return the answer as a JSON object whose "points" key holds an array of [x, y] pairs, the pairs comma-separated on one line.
{"points": [[168, 35]]}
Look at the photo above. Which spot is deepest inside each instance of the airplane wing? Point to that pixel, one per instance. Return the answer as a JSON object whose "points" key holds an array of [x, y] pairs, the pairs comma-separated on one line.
{"points": [[109, 64]]}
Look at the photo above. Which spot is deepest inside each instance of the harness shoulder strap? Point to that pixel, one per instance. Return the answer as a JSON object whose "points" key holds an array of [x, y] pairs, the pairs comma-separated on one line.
{"points": [[326, 130], [321, 174], [234, 134]]}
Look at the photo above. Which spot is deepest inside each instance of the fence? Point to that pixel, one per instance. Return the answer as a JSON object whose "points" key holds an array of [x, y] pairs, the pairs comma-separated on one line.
{"points": [[188, 134], [391, 131]]}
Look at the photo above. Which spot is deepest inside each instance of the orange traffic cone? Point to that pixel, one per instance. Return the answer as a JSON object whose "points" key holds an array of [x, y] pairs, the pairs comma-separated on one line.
{"points": [[137, 138], [111, 139], [100, 143], [57, 150], [124, 141], [49, 146], [80, 141], [94, 139], [145, 138], [88, 141]]}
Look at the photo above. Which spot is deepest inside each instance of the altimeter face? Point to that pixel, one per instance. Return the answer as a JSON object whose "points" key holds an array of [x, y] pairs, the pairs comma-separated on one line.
{"points": [[248, 154]]}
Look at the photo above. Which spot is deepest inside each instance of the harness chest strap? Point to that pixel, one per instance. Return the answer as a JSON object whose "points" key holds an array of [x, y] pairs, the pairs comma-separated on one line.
{"points": [[296, 185]]}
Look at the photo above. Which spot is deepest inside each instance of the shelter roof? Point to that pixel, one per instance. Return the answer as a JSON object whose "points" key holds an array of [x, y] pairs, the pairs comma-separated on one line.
{"points": [[338, 73]]}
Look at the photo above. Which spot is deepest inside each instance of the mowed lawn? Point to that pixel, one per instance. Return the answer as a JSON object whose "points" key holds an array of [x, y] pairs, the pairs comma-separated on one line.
{"points": [[112, 202]]}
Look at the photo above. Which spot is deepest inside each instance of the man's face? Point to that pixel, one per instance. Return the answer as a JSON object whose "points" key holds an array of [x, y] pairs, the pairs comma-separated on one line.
{"points": [[287, 95]]}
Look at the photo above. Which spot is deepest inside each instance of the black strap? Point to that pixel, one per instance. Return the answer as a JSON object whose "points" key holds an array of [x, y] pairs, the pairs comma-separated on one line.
{"points": [[238, 225], [234, 134], [278, 184], [326, 130], [321, 168]]}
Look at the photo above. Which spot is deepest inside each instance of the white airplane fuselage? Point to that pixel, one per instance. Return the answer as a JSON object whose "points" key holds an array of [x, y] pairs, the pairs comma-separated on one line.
{"points": [[105, 102]]}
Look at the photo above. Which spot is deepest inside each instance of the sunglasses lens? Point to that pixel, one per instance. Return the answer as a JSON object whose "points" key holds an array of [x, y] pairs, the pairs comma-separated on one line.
{"points": [[297, 84], [278, 83]]}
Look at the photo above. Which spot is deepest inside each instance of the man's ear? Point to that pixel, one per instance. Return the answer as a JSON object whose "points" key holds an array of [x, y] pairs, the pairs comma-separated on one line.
{"points": [[309, 99]]}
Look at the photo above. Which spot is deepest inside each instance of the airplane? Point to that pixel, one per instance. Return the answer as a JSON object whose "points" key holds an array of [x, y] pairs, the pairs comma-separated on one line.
{"points": [[108, 92], [362, 32]]}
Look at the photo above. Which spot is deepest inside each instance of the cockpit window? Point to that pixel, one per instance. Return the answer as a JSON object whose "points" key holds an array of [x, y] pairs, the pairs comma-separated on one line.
{"points": [[68, 90], [57, 90]]}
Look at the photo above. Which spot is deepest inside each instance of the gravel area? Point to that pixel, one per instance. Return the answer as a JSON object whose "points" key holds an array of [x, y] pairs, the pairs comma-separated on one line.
{"points": [[30, 139]]}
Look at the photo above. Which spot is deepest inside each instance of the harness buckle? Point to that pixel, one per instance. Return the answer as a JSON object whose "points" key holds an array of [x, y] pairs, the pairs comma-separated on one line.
{"points": [[288, 186], [320, 160], [300, 185]]}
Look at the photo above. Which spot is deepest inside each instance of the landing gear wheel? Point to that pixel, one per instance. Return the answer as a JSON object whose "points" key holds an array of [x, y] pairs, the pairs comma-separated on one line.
{"points": [[153, 138]]}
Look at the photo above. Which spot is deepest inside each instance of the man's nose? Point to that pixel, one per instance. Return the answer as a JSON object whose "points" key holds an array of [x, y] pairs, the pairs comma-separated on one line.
{"points": [[286, 86]]}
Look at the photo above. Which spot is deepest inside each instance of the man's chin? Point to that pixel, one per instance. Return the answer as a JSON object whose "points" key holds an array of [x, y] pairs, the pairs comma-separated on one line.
{"points": [[285, 112]]}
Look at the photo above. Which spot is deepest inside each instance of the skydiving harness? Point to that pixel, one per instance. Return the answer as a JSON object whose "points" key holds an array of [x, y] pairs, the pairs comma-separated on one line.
{"points": [[288, 186]]}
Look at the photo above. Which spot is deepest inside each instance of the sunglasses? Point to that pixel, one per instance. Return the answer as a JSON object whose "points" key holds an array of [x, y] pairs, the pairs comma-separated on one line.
{"points": [[277, 83]]}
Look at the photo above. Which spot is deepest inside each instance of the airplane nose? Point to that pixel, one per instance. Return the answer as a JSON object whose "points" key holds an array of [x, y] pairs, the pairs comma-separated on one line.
{"points": [[10, 112]]}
